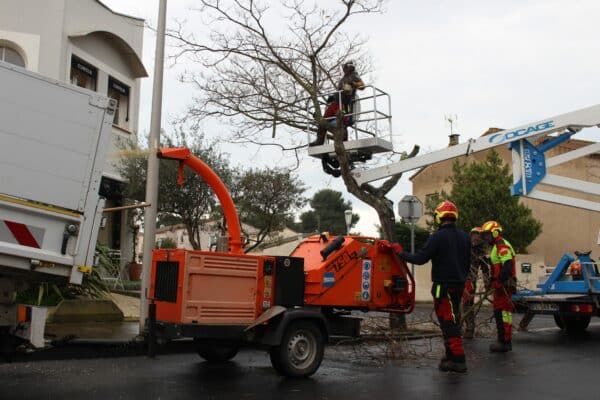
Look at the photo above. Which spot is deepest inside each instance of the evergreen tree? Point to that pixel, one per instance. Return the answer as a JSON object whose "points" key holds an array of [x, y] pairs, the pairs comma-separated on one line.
{"points": [[481, 191], [327, 213]]}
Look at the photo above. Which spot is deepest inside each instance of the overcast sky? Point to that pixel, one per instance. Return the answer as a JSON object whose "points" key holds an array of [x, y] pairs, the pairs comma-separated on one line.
{"points": [[492, 63]]}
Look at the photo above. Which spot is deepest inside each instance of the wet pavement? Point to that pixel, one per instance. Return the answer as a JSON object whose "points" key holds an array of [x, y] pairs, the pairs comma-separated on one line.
{"points": [[545, 364]]}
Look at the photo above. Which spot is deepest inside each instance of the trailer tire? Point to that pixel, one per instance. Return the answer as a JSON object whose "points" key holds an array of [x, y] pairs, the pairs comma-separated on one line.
{"points": [[216, 351], [300, 352], [572, 323]]}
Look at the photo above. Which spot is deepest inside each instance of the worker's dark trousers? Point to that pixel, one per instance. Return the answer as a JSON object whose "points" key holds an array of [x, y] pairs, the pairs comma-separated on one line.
{"points": [[446, 301], [468, 301], [503, 308]]}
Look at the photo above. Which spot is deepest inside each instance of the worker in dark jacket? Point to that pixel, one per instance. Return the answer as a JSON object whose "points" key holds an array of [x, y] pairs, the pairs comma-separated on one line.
{"points": [[449, 250]]}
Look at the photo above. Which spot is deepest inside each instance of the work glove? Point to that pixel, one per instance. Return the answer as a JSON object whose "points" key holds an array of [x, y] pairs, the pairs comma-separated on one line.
{"points": [[397, 248], [347, 88]]}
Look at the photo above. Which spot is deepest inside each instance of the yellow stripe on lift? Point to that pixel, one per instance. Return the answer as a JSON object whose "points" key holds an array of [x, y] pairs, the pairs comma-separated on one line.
{"points": [[25, 203]]}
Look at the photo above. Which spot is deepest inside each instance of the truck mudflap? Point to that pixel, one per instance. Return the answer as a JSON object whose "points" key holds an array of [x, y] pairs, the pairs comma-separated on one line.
{"points": [[266, 316]]}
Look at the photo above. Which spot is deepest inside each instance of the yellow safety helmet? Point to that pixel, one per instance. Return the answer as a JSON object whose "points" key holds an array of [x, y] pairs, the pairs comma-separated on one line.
{"points": [[493, 227]]}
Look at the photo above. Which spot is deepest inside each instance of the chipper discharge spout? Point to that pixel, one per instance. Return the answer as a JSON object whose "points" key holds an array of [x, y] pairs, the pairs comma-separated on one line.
{"points": [[185, 158]]}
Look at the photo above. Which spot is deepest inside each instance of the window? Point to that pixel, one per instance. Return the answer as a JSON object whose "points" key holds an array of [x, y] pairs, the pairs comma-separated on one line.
{"points": [[430, 197], [120, 92], [83, 74], [12, 56]]}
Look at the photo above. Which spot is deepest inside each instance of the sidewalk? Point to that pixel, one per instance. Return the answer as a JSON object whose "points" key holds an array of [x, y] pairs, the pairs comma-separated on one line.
{"points": [[98, 332], [129, 305]]}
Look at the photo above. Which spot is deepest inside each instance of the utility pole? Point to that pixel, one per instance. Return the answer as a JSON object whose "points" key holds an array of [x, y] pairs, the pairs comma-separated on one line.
{"points": [[154, 143]]}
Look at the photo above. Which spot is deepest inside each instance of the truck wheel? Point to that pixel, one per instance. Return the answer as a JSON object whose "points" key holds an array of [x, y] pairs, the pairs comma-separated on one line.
{"points": [[300, 352], [572, 323], [216, 351]]}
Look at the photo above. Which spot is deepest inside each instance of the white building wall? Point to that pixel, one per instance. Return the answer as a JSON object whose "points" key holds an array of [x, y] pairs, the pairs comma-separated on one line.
{"points": [[48, 32]]}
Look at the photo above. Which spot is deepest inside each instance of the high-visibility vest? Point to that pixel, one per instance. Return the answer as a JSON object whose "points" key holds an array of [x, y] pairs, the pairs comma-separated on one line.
{"points": [[501, 252]]}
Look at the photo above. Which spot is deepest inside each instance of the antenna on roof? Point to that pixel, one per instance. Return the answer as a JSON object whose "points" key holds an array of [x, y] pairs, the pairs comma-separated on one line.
{"points": [[453, 136]]}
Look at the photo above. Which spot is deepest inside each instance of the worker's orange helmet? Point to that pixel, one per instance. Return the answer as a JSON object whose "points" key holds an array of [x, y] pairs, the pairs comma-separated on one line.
{"points": [[446, 210], [493, 227]]}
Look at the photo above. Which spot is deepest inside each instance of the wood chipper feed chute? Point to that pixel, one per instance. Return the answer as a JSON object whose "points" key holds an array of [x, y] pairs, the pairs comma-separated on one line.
{"points": [[356, 273]]}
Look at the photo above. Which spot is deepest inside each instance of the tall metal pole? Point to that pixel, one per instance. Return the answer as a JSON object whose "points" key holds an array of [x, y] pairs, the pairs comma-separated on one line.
{"points": [[154, 142], [412, 244]]}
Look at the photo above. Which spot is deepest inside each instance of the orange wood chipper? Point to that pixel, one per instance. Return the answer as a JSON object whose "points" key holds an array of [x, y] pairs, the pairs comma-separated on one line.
{"points": [[291, 306]]}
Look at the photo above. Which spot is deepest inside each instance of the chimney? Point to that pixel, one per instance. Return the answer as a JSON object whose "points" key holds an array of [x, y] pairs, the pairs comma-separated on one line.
{"points": [[453, 139]]}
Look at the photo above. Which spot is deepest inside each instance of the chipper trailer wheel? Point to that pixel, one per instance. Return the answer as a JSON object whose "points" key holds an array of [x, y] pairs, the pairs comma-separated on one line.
{"points": [[572, 323], [300, 352], [216, 351]]}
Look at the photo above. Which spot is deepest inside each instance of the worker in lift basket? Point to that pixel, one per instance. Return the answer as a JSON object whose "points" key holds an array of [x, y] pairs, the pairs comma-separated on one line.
{"points": [[449, 250], [346, 87], [502, 257]]}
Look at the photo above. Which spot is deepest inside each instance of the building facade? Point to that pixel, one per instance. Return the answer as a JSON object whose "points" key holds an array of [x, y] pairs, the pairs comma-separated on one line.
{"points": [[565, 228], [87, 44]]}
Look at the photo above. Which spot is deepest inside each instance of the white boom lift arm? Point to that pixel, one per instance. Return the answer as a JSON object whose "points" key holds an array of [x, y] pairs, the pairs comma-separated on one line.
{"points": [[529, 163]]}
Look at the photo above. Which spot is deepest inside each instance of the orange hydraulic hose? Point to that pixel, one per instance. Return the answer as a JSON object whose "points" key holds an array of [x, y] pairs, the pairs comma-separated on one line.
{"points": [[185, 157]]}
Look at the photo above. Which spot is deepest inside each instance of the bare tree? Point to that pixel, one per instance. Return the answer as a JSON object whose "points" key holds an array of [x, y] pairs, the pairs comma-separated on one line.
{"points": [[261, 70]]}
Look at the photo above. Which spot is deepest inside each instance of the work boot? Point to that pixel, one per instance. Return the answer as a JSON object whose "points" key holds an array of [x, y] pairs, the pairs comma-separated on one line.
{"points": [[500, 347], [320, 139], [452, 366]]}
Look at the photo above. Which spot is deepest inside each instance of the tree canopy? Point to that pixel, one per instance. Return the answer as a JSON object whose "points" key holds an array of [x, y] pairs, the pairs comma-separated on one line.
{"points": [[263, 64], [481, 191], [266, 199], [189, 203], [327, 214]]}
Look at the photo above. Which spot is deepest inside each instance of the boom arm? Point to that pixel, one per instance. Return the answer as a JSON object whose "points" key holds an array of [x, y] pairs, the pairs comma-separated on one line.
{"points": [[572, 121]]}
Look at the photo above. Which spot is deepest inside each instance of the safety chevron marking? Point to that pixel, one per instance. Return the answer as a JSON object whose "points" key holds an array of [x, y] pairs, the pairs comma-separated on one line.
{"points": [[17, 233]]}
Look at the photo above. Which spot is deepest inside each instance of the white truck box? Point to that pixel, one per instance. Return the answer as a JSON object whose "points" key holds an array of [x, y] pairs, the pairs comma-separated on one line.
{"points": [[53, 143]]}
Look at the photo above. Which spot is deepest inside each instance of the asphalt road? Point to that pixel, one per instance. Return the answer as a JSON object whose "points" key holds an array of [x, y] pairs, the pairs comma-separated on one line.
{"points": [[545, 364]]}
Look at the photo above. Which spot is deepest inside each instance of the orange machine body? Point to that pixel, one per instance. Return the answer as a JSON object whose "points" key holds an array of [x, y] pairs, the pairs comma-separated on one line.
{"points": [[209, 288], [364, 274]]}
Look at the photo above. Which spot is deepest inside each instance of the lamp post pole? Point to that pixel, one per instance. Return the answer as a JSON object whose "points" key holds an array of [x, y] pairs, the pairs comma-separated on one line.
{"points": [[152, 179], [348, 217]]}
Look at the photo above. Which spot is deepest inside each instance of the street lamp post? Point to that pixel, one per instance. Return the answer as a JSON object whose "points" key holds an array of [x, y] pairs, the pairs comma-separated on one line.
{"points": [[152, 180], [348, 217]]}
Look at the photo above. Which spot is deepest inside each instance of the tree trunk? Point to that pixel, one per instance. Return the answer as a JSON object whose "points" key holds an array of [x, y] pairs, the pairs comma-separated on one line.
{"points": [[375, 197], [388, 222], [194, 241]]}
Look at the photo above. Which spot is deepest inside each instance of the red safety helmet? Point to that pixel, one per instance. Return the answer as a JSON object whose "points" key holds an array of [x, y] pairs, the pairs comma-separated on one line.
{"points": [[445, 210], [492, 227]]}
